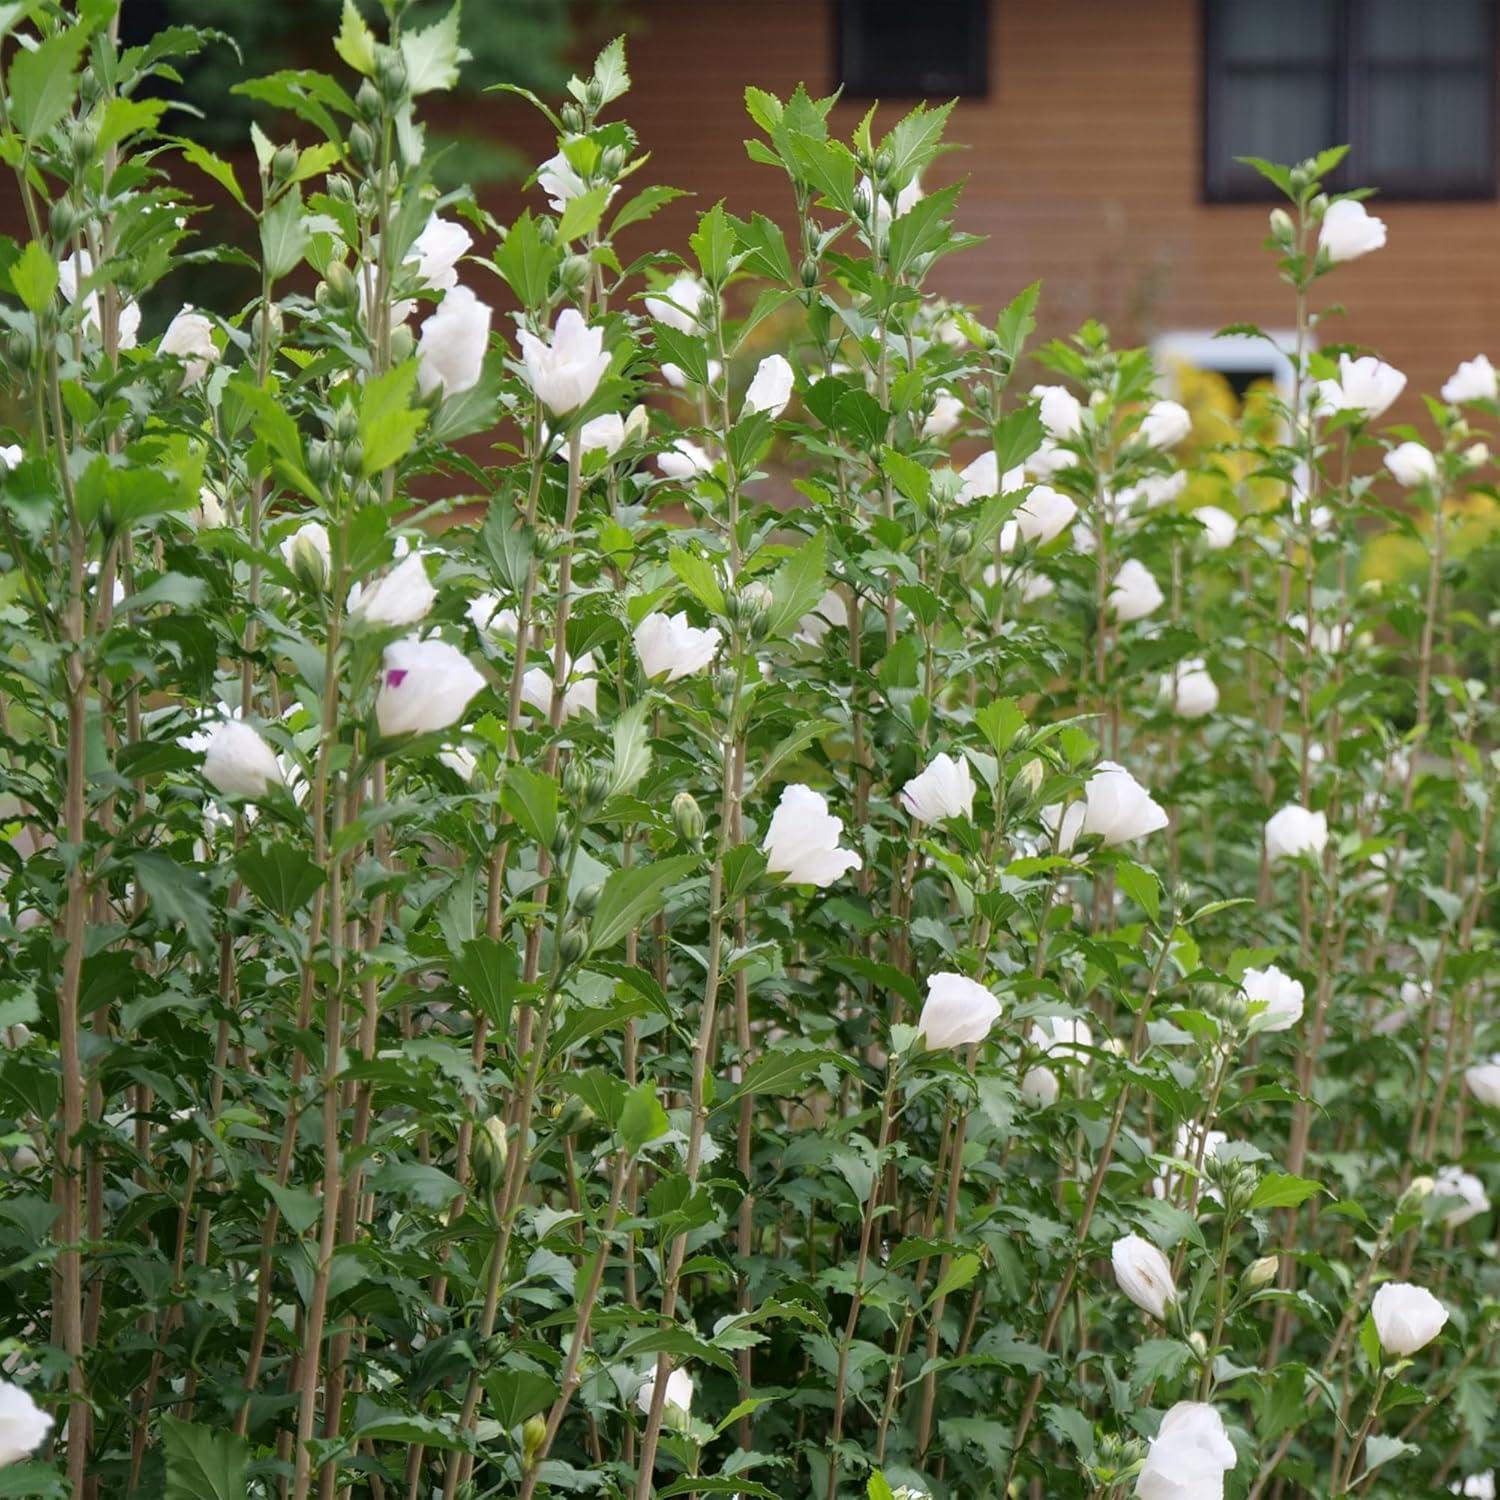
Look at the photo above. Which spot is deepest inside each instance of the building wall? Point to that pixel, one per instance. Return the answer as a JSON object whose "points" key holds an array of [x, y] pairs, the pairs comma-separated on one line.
{"points": [[1083, 168]]}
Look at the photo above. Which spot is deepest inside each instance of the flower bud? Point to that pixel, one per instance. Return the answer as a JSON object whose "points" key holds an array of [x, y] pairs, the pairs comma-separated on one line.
{"points": [[572, 118], [340, 189], [1199, 1343], [573, 943], [1283, 231], [361, 146], [403, 344], [354, 458], [688, 818], [593, 95], [1416, 1195], [546, 230], [85, 143], [63, 219], [1027, 782], [1261, 1273], [637, 425], [533, 1435], [345, 424], [574, 274], [390, 76], [612, 163], [367, 100], [341, 285], [1476, 454], [491, 1148], [587, 898], [862, 202], [283, 163], [320, 465]]}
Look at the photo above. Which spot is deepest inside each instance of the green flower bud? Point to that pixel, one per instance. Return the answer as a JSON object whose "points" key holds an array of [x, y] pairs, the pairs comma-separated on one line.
{"points": [[354, 458], [1261, 1273], [574, 274], [614, 160], [533, 1435], [587, 898], [390, 76], [368, 100], [346, 425], [491, 1148], [361, 146], [809, 273], [403, 342], [342, 286], [320, 464], [283, 163], [1283, 231], [340, 188], [688, 818], [574, 943], [85, 143], [572, 118], [63, 219]]}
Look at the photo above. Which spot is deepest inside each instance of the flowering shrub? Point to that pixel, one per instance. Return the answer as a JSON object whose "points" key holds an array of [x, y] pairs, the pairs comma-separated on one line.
{"points": [[812, 927]]}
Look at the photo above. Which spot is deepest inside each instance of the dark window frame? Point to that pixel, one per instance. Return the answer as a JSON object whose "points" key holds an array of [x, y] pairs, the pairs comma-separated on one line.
{"points": [[1219, 182], [976, 86]]}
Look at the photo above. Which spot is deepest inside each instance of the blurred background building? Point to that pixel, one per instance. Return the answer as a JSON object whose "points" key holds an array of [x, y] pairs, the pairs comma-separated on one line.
{"points": [[1098, 138]]}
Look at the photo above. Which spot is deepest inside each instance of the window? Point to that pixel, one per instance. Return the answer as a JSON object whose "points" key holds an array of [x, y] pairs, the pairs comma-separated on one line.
{"points": [[895, 49], [1241, 358], [1408, 85]]}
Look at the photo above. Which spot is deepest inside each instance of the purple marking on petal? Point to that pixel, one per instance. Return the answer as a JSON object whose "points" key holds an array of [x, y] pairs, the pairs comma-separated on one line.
{"points": [[395, 677]]}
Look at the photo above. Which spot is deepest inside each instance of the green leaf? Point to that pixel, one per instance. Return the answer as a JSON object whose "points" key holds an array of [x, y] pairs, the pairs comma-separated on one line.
{"points": [[960, 1273], [298, 1207], [909, 477], [642, 1119], [487, 970], [355, 42], [516, 1395], [879, 1488], [697, 573], [279, 876], [632, 897], [527, 262], [604, 1092], [1159, 1359], [432, 55], [641, 207], [632, 749], [1141, 886], [1018, 435], [42, 81], [388, 422], [713, 244], [416, 1182], [581, 215], [177, 896], [530, 797], [785, 1069], [284, 235], [34, 277], [203, 1463], [1282, 1190], [1369, 1342], [796, 586], [611, 77]]}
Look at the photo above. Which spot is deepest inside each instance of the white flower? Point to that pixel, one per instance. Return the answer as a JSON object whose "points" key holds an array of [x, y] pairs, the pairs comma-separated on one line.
{"points": [[564, 370], [1294, 830], [424, 686], [1483, 1080], [460, 760], [1040, 1087], [947, 412], [190, 336], [308, 553], [1115, 808], [606, 433], [668, 643], [450, 352], [1454, 1182], [402, 597], [239, 763], [1406, 1317], [1061, 413], [771, 388], [491, 618], [437, 251], [76, 269], [888, 208], [1219, 527], [23, 1424], [1348, 231], [1366, 385], [1048, 460], [1476, 1486], [802, 842], [1185, 1147], [829, 611], [210, 510], [557, 178], [1134, 593], [580, 693], [677, 378], [957, 1012], [982, 478], [944, 790], [680, 304], [1188, 1457], [1035, 586], [1062, 1036], [1143, 1274], [1189, 690], [683, 460], [11, 454], [1042, 516], [1473, 380], [679, 1392], [1412, 464], [1279, 996], [1154, 491], [1476, 454], [1166, 424]]}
